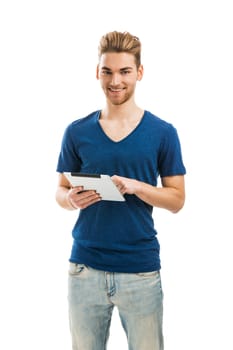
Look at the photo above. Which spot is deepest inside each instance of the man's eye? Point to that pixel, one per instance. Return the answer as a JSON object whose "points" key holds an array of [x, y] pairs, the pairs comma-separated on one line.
{"points": [[106, 72], [124, 72]]}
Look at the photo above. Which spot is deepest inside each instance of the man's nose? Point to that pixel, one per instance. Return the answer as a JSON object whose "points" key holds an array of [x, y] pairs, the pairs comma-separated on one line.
{"points": [[116, 79]]}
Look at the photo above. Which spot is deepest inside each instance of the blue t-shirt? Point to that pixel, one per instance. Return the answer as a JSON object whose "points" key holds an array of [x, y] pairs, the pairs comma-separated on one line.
{"points": [[119, 236]]}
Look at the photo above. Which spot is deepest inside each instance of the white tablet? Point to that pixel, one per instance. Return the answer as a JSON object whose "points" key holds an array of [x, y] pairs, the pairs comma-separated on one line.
{"points": [[102, 184]]}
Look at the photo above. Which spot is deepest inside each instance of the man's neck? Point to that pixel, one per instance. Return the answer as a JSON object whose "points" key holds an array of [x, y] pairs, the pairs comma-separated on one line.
{"points": [[119, 121], [121, 112]]}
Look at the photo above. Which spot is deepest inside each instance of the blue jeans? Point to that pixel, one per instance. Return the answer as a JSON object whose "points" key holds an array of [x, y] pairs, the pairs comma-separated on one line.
{"points": [[92, 295]]}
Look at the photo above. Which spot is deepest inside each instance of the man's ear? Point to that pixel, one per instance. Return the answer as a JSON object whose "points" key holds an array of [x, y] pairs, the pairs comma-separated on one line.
{"points": [[140, 72], [97, 72]]}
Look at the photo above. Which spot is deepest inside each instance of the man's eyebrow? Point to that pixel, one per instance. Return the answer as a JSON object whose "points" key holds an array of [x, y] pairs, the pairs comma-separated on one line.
{"points": [[121, 69], [126, 68], [105, 68]]}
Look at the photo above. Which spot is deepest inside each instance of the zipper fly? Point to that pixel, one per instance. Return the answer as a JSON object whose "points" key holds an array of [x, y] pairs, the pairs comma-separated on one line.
{"points": [[110, 283]]}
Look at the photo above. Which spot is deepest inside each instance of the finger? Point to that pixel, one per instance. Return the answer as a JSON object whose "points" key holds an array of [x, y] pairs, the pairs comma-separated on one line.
{"points": [[116, 179], [84, 194], [86, 198], [89, 203], [77, 189], [120, 186]]}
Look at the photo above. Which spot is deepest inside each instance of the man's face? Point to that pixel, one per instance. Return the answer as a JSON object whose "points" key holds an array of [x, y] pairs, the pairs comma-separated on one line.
{"points": [[118, 76]]}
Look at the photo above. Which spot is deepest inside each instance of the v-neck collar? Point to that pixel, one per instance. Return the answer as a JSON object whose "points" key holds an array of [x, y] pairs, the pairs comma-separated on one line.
{"points": [[125, 137]]}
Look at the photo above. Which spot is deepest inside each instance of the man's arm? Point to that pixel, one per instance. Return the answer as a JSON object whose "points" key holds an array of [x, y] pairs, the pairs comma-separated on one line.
{"points": [[72, 198], [170, 196]]}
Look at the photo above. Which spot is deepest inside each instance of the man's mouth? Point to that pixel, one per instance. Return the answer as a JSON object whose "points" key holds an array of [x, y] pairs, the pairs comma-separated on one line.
{"points": [[116, 90]]}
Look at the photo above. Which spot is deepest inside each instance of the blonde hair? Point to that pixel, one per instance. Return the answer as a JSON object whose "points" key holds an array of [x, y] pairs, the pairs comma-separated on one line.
{"points": [[121, 42]]}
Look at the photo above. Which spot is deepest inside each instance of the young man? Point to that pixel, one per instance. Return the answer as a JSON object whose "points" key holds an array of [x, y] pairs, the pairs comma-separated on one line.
{"points": [[115, 255]]}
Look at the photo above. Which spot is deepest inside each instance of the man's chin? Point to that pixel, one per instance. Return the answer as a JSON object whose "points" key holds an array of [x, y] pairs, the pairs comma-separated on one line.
{"points": [[118, 102]]}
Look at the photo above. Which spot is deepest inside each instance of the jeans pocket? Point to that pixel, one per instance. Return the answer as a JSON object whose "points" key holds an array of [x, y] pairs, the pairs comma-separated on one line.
{"points": [[76, 269], [147, 274]]}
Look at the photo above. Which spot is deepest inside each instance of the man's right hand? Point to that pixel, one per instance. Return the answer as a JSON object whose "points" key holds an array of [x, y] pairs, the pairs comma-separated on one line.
{"points": [[80, 199]]}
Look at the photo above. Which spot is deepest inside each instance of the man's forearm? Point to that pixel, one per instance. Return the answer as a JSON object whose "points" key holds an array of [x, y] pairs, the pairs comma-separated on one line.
{"points": [[161, 197], [63, 199], [171, 196]]}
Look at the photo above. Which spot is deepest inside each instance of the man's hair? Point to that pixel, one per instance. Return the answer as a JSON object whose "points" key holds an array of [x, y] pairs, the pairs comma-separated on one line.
{"points": [[121, 42]]}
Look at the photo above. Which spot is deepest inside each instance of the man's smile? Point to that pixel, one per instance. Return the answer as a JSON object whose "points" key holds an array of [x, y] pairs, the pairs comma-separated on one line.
{"points": [[115, 89]]}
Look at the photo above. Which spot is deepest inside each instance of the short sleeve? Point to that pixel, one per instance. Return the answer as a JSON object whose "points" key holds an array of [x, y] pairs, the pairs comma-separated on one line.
{"points": [[170, 162], [68, 159]]}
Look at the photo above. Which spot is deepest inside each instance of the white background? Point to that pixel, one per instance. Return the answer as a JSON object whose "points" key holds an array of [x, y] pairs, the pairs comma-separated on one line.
{"points": [[47, 79]]}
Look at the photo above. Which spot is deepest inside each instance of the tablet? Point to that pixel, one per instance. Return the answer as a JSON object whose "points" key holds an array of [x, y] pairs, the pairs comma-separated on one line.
{"points": [[102, 184]]}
